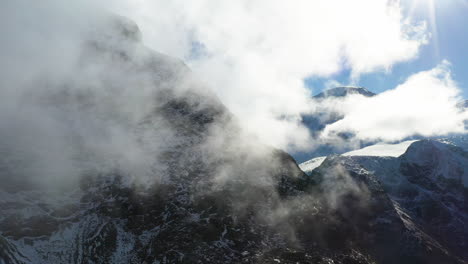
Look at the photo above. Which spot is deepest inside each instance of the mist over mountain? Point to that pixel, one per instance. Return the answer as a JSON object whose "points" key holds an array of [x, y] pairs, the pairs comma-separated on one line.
{"points": [[112, 152], [143, 157]]}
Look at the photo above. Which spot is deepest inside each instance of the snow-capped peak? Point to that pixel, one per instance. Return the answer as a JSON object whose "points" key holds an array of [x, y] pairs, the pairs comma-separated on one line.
{"points": [[344, 91]]}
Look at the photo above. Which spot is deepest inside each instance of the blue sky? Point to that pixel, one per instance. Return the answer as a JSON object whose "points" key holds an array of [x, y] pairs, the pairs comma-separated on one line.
{"points": [[449, 41]]}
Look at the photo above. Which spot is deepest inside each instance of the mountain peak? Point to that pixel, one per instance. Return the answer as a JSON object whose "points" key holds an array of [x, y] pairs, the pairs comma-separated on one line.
{"points": [[344, 91]]}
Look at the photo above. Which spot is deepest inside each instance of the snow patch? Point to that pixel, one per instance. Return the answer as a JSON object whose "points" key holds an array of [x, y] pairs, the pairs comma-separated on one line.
{"points": [[382, 150], [310, 165]]}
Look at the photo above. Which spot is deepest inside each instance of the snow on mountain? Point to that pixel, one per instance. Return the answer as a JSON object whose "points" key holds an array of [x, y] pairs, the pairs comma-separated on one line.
{"points": [[382, 150], [446, 159], [310, 165]]}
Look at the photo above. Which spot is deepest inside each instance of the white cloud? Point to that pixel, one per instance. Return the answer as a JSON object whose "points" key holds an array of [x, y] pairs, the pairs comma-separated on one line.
{"points": [[257, 53], [425, 104]]}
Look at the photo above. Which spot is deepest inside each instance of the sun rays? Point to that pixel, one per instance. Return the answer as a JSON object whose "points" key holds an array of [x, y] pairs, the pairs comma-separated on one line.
{"points": [[427, 9]]}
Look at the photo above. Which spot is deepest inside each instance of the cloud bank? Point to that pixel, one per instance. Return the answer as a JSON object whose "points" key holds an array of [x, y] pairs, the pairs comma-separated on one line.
{"points": [[255, 54], [426, 104]]}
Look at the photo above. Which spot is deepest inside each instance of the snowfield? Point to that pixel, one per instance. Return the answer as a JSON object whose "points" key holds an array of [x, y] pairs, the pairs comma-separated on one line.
{"points": [[382, 150]]}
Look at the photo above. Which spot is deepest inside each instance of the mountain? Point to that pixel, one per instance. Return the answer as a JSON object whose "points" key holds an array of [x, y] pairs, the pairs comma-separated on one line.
{"points": [[132, 160], [426, 188], [163, 172], [344, 91]]}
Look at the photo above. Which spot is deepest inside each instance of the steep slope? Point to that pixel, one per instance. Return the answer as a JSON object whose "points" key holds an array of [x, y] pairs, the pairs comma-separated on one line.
{"points": [[426, 188], [435, 161]]}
